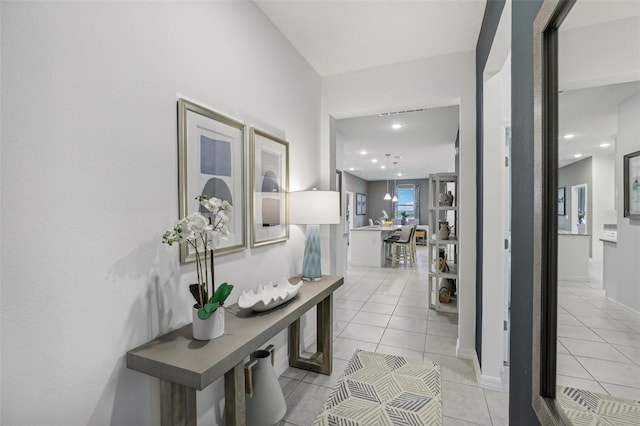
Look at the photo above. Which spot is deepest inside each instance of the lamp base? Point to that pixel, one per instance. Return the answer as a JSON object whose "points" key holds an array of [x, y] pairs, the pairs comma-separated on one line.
{"points": [[311, 279], [311, 261]]}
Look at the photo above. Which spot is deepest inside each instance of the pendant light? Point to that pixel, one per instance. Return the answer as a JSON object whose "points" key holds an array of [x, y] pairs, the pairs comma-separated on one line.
{"points": [[395, 185], [387, 196]]}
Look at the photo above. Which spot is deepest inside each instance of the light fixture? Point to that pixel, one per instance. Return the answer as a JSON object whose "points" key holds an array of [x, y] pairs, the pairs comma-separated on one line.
{"points": [[313, 208], [605, 144], [387, 196], [383, 167], [351, 169], [395, 187], [363, 152], [577, 155], [400, 174], [396, 126], [569, 136], [374, 160]]}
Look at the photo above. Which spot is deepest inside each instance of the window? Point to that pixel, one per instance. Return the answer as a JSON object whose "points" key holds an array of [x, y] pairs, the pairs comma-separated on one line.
{"points": [[408, 201]]}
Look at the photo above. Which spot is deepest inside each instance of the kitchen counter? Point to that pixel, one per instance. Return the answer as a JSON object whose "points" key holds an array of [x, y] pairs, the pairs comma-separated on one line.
{"points": [[367, 244], [573, 256]]}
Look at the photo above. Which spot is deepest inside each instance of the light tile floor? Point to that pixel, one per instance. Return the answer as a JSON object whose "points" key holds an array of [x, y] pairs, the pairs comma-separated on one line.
{"points": [[598, 340], [386, 310]]}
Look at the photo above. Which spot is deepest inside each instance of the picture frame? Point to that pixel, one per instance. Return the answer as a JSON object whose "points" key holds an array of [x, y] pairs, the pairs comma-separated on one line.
{"points": [[364, 204], [359, 204], [211, 161], [269, 187], [632, 185], [339, 188], [561, 201]]}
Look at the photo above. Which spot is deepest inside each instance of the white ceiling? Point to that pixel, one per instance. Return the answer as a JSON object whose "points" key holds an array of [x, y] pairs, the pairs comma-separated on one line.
{"points": [[339, 36], [425, 143], [592, 116], [343, 36], [585, 13]]}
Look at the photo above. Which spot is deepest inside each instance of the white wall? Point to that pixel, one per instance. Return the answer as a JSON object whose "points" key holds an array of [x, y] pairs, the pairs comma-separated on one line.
{"points": [[496, 118], [628, 247], [604, 190], [429, 82], [89, 182], [594, 55]]}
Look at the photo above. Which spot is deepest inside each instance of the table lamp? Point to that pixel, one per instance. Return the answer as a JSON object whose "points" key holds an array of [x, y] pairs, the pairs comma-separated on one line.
{"points": [[313, 208]]}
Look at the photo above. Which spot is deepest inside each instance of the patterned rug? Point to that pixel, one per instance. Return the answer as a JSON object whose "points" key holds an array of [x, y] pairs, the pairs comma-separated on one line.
{"points": [[380, 390], [586, 408]]}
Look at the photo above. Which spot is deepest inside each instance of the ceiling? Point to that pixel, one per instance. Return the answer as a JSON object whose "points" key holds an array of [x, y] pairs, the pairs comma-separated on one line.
{"points": [[424, 144], [592, 116], [338, 36], [343, 36]]}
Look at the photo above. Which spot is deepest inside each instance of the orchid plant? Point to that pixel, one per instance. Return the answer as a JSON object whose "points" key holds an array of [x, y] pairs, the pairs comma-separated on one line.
{"points": [[203, 235]]}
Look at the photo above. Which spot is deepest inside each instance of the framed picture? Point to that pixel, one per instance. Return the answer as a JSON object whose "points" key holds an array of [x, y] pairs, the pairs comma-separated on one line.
{"points": [[632, 185], [269, 187], [211, 162], [364, 204], [359, 204], [339, 187], [561, 201]]}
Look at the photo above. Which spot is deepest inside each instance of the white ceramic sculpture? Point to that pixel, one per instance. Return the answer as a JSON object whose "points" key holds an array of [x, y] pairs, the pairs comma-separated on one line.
{"points": [[264, 298]]}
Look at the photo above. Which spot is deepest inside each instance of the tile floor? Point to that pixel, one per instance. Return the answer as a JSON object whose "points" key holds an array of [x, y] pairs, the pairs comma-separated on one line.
{"points": [[598, 340], [386, 310]]}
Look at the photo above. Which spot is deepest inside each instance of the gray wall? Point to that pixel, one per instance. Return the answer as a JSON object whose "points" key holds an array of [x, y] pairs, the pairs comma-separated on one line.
{"points": [[520, 411], [355, 184], [376, 202], [575, 174], [490, 22]]}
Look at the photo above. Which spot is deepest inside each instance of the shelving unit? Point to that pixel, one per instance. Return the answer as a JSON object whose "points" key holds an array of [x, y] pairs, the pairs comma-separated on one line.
{"points": [[441, 183]]}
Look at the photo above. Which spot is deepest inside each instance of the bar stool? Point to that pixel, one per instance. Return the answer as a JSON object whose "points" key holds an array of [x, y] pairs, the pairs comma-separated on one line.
{"points": [[401, 248]]}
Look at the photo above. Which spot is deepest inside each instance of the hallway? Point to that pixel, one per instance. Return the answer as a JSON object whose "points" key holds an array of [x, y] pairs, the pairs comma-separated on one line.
{"points": [[385, 310]]}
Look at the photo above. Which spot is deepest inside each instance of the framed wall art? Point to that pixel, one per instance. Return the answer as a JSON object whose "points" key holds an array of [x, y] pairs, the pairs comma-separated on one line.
{"points": [[269, 187], [632, 185], [561, 201], [361, 204], [211, 162]]}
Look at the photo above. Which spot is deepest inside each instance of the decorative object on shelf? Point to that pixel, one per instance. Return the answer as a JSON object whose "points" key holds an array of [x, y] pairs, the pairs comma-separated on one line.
{"points": [[443, 199], [403, 221], [203, 235], [313, 208], [632, 185], [269, 186], [443, 231], [265, 298], [450, 198], [211, 163], [264, 400], [447, 290]]}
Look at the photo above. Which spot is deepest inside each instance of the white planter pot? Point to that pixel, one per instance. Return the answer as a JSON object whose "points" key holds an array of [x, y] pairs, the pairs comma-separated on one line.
{"points": [[210, 328]]}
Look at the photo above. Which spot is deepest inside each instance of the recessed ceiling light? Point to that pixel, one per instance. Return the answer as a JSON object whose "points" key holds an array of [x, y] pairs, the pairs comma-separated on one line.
{"points": [[569, 136], [351, 169], [363, 152], [399, 174], [374, 160], [396, 126], [605, 144], [383, 167], [577, 155]]}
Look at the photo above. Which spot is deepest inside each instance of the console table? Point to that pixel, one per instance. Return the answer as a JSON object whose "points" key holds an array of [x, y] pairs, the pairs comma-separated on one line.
{"points": [[184, 365]]}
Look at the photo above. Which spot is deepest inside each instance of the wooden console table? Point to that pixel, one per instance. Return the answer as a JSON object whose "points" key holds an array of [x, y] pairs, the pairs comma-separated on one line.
{"points": [[184, 365]]}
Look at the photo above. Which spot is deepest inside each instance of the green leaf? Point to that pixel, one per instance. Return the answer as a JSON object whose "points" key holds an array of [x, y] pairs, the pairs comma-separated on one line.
{"points": [[211, 307], [222, 292], [203, 315], [193, 288]]}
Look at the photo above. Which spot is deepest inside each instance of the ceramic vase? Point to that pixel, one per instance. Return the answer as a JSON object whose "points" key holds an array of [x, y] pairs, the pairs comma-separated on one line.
{"points": [[443, 232], [449, 198], [265, 403], [210, 328]]}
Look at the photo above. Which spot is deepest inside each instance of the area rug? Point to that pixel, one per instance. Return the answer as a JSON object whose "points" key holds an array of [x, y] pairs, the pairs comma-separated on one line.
{"points": [[379, 389], [589, 408]]}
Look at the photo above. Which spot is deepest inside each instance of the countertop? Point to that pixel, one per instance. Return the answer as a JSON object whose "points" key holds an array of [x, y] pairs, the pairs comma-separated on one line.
{"points": [[573, 234], [377, 228], [609, 240]]}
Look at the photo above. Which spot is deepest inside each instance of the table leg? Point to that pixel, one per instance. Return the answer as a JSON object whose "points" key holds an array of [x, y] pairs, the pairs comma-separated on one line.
{"points": [[322, 360], [177, 405], [234, 405]]}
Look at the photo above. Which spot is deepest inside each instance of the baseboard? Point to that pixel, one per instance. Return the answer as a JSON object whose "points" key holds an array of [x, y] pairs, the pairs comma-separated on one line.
{"points": [[491, 382], [623, 305], [464, 353], [586, 278]]}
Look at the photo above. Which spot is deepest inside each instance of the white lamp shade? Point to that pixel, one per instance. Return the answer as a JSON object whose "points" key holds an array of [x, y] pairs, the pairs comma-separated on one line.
{"points": [[314, 207]]}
